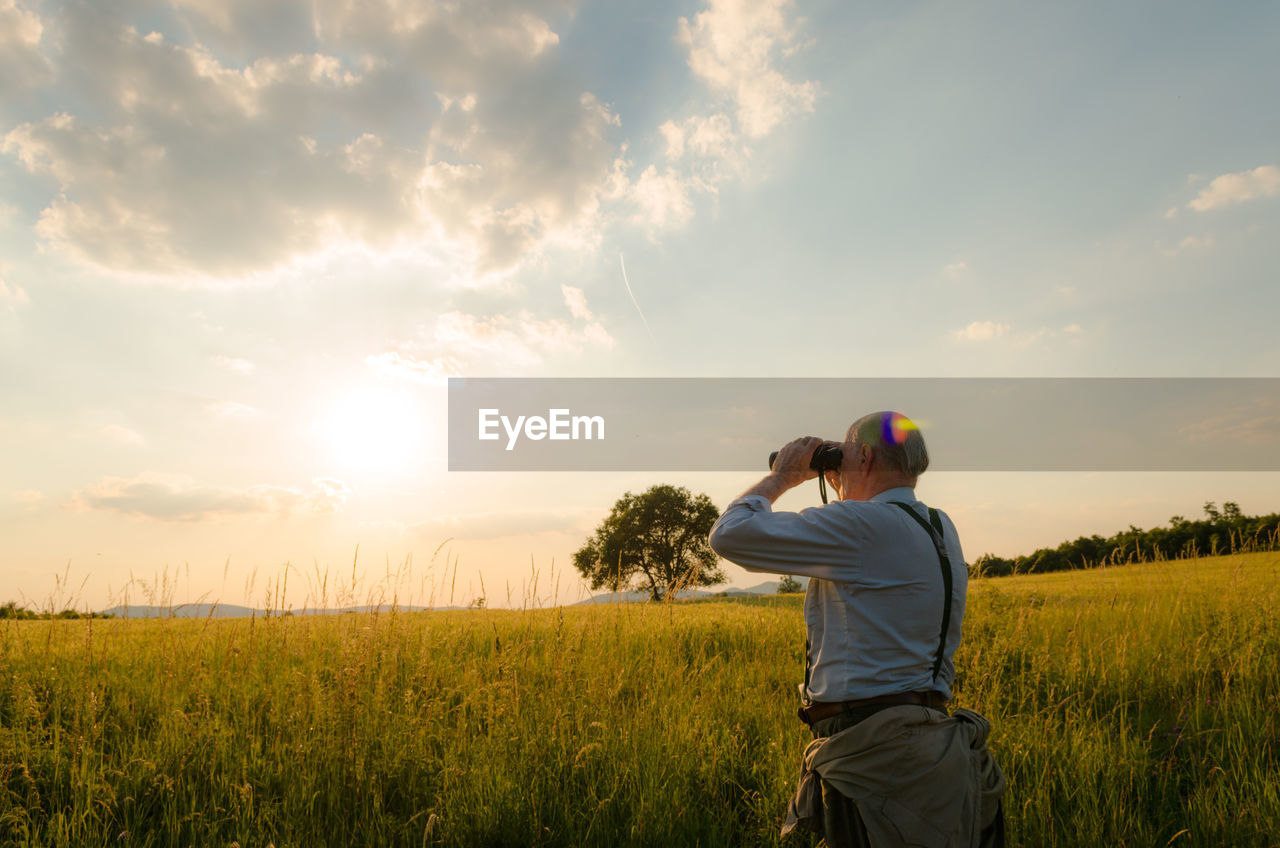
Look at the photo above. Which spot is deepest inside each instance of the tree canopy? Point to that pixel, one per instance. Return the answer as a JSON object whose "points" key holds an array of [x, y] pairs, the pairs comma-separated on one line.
{"points": [[1227, 530], [11, 610], [655, 541]]}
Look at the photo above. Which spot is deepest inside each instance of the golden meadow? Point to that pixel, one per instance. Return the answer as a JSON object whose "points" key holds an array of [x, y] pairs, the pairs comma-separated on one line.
{"points": [[1133, 705]]}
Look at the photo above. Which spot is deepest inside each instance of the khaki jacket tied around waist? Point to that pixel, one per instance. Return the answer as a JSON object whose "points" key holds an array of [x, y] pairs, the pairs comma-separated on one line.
{"points": [[918, 777]]}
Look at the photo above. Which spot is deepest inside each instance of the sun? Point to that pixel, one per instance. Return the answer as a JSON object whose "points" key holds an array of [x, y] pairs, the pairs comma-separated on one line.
{"points": [[375, 429]]}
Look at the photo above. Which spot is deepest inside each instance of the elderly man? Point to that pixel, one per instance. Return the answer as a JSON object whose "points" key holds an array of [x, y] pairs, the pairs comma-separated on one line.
{"points": [[883, 611]]}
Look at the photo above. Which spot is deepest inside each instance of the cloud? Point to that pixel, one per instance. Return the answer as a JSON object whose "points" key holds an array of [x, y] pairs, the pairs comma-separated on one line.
{"points": [[233, 409], [990, 331], [1244, 425], [22, 65], [458, 342], [247, 141], [327, 494], [515, 341], [956, 269], [498, 525], [450, 130], [395, 365], [176, 498], [663, 199], [231, 363], [1229, 189], [733, 48], [1027, 339], [14, 296], [124, 435], [709, 149], [576, 300], [711, 137], [1192, 243], [981, 331]]}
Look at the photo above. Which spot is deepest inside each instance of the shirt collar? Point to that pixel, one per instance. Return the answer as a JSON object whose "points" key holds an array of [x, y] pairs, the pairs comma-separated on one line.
{"points": [[900, 493]]}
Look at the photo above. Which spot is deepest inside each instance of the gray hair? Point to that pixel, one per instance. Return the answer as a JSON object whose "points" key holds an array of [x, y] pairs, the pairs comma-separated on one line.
{"points": [[908, 457]]}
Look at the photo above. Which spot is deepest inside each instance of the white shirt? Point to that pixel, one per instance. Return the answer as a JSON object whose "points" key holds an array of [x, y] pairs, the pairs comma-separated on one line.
{"points": [[873, 609]]}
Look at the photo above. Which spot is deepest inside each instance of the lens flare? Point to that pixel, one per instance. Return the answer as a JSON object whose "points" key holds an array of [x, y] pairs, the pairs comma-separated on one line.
{"points": [[894, 427]]}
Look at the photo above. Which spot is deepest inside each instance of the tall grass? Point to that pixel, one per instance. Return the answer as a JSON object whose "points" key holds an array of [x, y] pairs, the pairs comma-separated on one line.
{"points": [[1131, 706]]}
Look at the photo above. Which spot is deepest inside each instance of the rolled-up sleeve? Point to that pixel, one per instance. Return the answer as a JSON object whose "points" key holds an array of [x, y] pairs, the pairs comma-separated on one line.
{"points": [[813, 542]]}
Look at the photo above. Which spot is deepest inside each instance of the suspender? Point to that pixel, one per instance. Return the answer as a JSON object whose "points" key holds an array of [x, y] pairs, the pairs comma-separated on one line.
{"points": [[934, 528], [804, 690]]}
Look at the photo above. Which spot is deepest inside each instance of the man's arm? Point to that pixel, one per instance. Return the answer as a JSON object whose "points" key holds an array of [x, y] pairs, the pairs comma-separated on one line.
{"points": [[790, 469], [808, 543], [772, 486]]}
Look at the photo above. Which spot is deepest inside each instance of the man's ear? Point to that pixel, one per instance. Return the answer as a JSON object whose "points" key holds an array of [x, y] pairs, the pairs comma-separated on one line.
{"points": [[866, 456]]}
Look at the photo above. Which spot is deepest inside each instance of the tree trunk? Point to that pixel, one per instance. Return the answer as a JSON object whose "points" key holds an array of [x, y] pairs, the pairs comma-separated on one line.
{"points": [[655, 593]]}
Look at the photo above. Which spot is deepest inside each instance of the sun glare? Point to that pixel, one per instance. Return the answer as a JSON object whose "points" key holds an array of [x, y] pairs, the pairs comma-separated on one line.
{"points": [[375, 429]]}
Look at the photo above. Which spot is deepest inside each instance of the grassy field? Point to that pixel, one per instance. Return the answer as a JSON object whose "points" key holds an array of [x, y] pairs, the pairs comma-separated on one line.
{"points": [[1131, 706]]}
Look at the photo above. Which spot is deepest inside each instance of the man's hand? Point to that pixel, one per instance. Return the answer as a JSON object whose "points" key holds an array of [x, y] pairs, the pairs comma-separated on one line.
{"points": [[794, 459], [790, 469]]}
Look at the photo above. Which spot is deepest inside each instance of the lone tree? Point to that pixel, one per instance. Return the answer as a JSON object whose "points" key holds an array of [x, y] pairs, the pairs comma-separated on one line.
{"points": [[655, 542]]}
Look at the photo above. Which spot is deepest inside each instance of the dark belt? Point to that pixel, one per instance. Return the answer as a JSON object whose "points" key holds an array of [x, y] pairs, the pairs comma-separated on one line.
{"points": [[820, 710]]}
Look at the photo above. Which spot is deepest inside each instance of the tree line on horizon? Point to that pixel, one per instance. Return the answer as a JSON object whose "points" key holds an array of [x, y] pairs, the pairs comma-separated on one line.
{"points": [[656, 542], [1221, 531], [11, 610]]}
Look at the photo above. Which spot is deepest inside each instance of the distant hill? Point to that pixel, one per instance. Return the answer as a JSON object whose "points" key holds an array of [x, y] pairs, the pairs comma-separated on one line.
{"points": [[767, 588], [234, 611], [182, 611]]}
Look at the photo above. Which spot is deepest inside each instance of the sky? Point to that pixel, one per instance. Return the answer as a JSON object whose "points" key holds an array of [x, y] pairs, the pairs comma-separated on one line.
{"points": [[243, 245]]}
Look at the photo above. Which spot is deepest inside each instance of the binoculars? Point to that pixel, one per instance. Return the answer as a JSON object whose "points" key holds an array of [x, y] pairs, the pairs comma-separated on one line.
{"points": [[825, 458]]}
